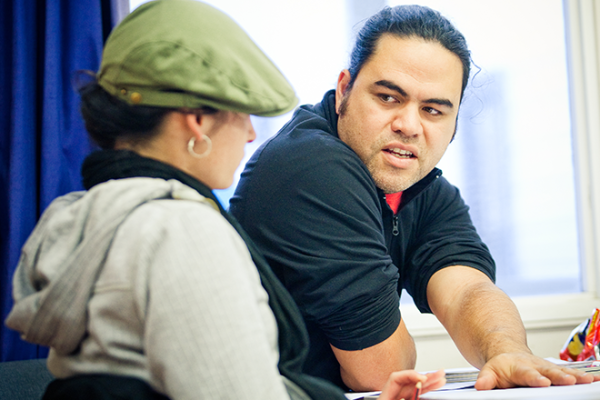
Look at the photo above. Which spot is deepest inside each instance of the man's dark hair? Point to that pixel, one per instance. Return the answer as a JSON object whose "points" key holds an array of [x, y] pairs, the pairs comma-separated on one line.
{"points": [[404, 22]]}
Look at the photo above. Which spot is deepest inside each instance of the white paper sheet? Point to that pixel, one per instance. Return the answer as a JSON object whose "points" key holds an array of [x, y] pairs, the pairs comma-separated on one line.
{"points": [[578, 392]]}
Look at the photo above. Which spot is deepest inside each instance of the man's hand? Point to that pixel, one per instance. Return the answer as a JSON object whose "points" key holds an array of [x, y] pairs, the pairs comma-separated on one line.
{"points": [[487, 329], [524, 369]]}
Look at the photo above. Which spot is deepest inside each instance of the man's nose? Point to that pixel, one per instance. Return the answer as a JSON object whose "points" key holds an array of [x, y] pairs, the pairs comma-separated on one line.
{"points": [[407, 121]]}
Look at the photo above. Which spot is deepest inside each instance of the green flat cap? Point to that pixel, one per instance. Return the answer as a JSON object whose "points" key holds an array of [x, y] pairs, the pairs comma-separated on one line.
{"points": [[188, 54]]}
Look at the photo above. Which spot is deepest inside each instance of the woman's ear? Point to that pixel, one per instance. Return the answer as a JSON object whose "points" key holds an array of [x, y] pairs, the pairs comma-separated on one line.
{"points": [[194, 123]]}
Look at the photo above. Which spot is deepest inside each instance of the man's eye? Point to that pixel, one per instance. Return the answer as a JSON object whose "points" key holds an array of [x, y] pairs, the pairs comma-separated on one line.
{"points": [[386, 98], [432, 111]]}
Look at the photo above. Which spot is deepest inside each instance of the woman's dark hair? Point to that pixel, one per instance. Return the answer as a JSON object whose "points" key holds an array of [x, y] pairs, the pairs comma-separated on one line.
{"points": [[108, 118], [407, 21]]}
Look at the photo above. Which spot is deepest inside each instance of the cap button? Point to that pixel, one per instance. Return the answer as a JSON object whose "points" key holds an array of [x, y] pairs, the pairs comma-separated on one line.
{"points": [[136, 98], [123, 92]]}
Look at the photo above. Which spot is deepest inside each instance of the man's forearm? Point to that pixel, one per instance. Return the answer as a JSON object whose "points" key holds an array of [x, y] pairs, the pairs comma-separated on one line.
{"points": [[481, 319], [487, 329]]}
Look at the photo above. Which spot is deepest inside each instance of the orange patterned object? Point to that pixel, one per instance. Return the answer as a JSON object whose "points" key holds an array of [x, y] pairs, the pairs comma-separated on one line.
{"points": [[584, 341]]}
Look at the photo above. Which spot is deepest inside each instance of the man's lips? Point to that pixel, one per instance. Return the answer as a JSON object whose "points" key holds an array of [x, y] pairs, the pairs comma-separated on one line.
{"points": [[400, 153]]}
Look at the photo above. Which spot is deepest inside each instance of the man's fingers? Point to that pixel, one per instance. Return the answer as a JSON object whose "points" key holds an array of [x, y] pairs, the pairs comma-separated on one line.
{"points": [[491, 378], [568, 376], [532, 377], [486, 380]]}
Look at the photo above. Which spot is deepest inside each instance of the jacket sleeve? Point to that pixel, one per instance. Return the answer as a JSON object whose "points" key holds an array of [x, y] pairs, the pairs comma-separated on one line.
{"points": [[438, 233]]}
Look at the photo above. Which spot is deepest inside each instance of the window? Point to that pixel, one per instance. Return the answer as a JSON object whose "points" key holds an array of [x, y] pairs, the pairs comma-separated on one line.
{"points": [[532, 190]]}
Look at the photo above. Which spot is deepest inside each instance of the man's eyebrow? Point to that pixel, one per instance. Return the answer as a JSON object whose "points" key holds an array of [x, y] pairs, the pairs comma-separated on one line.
{"points": [[441, 102], [392, 86], [396, 88]]}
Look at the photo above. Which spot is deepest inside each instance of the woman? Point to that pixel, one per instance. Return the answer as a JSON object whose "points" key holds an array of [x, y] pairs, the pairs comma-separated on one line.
{"points": [[142, 285]]}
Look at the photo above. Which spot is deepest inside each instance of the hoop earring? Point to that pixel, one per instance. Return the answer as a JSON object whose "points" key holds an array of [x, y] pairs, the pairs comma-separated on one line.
{"points": [[192, 143]]}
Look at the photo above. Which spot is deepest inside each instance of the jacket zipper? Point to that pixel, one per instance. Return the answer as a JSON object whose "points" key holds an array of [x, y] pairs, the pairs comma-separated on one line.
{"points": [[395, 230]]}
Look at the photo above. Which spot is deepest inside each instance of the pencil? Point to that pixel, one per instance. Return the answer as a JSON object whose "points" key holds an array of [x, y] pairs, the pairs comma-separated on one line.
{"points": [[417, 391]]}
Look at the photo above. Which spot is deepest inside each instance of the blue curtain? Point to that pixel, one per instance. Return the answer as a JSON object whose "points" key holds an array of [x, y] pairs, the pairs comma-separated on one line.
{"points": [[42, 138]]}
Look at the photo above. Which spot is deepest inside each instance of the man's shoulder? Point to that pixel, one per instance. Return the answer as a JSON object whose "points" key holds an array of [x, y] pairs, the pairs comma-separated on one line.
{"points": [[307, 130], [304, 157], [306, 143]]}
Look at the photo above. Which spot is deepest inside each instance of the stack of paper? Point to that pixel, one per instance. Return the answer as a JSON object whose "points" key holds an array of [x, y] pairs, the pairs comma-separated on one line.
{"points": [[460, 386]]}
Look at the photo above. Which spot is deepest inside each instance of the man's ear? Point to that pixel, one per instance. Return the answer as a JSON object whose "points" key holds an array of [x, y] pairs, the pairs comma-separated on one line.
{"points": [[342, 86]]}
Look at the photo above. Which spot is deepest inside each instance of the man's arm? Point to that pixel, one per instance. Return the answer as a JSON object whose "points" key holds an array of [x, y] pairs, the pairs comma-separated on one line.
{"points": [[487, 329], [370, 368]]}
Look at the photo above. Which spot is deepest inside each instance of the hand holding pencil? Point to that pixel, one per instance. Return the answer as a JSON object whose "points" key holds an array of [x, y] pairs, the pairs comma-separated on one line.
{"points": [[409, 384]]}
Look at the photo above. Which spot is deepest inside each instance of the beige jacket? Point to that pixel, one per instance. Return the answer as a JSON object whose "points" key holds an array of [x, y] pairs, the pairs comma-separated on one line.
{"points": [[143, 277]]}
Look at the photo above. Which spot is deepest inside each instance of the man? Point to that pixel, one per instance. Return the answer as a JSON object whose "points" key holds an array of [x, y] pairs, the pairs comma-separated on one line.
{"points": [[349, 209]]}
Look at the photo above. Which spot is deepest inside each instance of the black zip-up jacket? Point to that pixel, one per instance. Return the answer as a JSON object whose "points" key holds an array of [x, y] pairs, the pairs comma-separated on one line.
{"points": [[313, 209]]}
